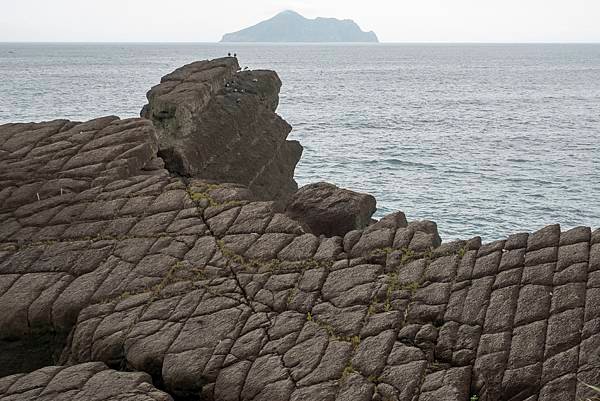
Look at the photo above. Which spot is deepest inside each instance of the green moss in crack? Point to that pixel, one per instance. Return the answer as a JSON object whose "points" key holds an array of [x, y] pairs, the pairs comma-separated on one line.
{"points": [[202, 197], [392, 285], [412, 287], [392, 282], [329, 330], [381, 252], [291, 295], [348, 370], [274, 264], [407, 256], [355, 341], [372, 308], [309, 264]]}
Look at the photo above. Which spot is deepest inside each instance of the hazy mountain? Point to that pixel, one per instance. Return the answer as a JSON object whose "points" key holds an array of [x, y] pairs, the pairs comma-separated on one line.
{"points": [[289, 26]]}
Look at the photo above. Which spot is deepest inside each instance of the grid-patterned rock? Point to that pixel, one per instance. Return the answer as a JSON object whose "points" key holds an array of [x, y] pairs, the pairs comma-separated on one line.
{"points": [[91, 381], [218, 296]]}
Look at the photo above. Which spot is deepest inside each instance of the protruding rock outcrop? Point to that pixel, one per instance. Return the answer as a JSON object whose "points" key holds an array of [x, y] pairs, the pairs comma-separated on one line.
{"points": [[327, 209], [217, 123]]}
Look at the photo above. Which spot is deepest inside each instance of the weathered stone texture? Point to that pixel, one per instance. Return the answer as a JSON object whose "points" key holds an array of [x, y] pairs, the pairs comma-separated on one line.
{"points": [[105, 257], [324, 208], [211, 119], [91, 381]]}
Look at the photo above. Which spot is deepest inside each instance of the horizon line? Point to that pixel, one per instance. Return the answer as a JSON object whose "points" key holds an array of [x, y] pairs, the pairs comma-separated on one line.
{"points": [[301, 43]]}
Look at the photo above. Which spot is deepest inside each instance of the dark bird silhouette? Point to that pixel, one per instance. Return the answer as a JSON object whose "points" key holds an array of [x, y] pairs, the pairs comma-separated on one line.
{"points": [[228, 54]]}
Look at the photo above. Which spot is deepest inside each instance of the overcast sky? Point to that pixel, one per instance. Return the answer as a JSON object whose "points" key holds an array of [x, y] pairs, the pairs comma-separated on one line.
{"points": [[392, 20]]}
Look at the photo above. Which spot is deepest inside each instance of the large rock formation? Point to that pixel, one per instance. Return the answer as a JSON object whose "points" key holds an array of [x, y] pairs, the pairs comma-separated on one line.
{"points": [[106, 257], [212, 119]]}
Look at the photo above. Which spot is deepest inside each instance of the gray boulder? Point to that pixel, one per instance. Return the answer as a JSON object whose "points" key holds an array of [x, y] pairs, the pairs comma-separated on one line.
{"points": [[218, 123], [327, 209]]}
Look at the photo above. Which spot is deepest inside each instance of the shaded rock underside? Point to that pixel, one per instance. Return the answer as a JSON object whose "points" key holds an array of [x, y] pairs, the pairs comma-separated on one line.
{"points": [[106, 257]]}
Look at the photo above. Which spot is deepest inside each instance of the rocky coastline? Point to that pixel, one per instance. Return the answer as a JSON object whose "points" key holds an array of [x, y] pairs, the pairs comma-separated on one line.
{"points": [[173, 257]]}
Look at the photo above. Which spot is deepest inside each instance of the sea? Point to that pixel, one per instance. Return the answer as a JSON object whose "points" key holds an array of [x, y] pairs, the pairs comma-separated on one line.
{"points": [[484, 139]]}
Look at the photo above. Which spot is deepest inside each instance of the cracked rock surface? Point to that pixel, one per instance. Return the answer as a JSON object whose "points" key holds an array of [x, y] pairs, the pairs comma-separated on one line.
{"points": [[113, 270], [91, 381], [212, 118]]}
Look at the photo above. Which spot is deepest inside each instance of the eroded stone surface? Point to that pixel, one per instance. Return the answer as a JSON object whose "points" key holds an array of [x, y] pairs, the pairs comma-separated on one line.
{"points": [[212, 118], [326, 209], [91, 381]]}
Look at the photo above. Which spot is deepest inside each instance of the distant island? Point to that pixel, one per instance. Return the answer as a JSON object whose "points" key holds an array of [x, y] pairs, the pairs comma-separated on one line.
{"points": [[289, 26]]}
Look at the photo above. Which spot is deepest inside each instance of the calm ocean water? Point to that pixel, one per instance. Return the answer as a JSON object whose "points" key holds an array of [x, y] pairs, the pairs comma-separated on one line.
{"points": [[483, 139]]}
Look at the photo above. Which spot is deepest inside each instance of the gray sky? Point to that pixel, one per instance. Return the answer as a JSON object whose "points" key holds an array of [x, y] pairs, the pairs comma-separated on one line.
{"points": [[393, 21]]}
